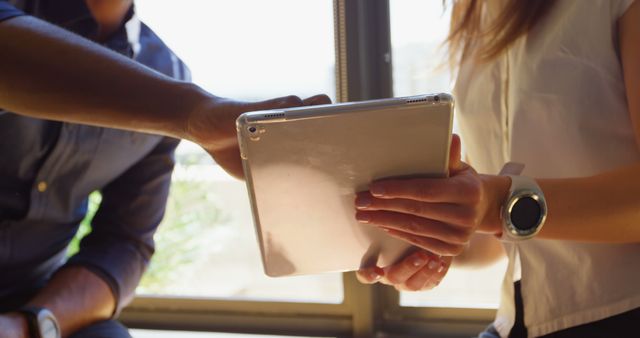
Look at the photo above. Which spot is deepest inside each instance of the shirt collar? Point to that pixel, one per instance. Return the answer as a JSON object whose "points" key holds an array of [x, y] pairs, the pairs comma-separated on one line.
{"points": [[75, 16]]}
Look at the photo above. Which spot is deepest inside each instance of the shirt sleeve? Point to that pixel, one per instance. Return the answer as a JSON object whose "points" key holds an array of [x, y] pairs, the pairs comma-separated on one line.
{"points": [[7, 11], [120, 245]]}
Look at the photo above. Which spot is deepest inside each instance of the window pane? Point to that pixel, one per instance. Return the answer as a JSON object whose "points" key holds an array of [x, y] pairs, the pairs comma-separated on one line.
{"points": [[418, 29], [245, 49], [462, 287], [188, 334]]}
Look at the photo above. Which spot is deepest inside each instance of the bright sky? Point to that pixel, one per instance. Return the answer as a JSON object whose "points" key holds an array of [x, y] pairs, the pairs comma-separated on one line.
{"points": [[258, 49], [250, 48], [265, 48], [418, 21]]}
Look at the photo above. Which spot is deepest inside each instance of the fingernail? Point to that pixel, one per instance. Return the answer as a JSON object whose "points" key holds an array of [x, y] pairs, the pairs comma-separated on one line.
{"points": [[377, 190], [376, 274], [441, 267], [418, 260], [433, 264], [363, 217], [363, 202]]}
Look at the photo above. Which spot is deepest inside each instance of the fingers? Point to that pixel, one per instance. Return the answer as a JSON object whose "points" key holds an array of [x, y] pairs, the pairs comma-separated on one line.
{"points": [[433, 236], [460, 189], [455, 154], [316, 100], [455, 214], [280, 102], [415, 225], [410, 265], [427, 243], [370, 275], [420, 270], [429, 276], [288, 102]]}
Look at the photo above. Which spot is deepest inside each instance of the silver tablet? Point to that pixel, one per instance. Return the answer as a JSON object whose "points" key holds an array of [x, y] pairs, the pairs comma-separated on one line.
{"points": [[303, 167]]}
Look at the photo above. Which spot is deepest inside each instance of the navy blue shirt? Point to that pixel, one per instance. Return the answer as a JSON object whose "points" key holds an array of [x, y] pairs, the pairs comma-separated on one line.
{"points": [[7, 11], [48, 169]]}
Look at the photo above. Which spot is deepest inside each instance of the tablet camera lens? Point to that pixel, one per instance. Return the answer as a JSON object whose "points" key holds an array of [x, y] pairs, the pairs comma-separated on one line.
{"points": [[252, 129], [436, 98]]}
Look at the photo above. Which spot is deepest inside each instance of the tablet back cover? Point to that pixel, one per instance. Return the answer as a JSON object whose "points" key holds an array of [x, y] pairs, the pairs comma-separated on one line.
{"points": [[303, 173]]}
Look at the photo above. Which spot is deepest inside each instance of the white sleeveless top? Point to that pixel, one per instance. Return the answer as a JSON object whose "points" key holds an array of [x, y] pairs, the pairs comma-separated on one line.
{"points": [[556, 102]]}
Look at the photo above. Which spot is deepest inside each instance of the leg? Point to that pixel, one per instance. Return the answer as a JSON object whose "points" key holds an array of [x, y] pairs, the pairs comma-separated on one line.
{"points": [[105, 329], [489, 332]]}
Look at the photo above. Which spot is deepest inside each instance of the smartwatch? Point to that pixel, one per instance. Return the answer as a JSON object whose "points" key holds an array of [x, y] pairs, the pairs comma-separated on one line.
{"points": [[41, 322], [524, 211]]}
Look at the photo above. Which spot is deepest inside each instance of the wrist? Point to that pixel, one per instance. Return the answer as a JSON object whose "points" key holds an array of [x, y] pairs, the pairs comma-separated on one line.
{"points": [[496, 190], [195, 101], [202, 108]]}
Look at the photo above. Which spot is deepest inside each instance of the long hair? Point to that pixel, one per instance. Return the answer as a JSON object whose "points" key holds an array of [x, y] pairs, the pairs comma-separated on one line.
{"points": [[471, 37]]}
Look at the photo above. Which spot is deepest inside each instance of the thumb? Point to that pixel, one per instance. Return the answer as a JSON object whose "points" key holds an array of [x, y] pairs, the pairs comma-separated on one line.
{"points": [[455, 155]]}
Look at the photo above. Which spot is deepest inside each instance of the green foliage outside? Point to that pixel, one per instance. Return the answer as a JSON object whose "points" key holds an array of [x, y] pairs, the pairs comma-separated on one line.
{"points": [[85, 227], [190, 216]]}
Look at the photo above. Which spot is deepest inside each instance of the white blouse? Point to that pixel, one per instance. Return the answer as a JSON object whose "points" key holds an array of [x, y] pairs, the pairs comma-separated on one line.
{"points": [[556, 102]]}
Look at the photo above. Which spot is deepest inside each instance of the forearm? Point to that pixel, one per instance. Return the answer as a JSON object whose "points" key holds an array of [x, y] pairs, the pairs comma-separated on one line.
{"points": [[77, 297], [50, 73], [602, 208]]}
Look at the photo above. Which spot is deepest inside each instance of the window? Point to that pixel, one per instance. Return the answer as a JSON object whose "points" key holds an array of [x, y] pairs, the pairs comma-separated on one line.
{"points": [[206, 245], [418, 30], [183, 334], [206, 274]]}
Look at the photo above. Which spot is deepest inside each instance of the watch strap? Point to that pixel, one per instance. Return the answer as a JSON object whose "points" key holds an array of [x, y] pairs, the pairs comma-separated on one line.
{"points": [[511, 168], [41, 322], [30, 314]]}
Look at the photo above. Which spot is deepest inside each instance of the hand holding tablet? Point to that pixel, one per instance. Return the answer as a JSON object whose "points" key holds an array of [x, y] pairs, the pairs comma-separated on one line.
{"points": [[304, 167]]}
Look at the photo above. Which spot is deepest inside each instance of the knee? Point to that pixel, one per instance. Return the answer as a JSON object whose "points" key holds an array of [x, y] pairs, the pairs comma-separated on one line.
{"points": [[104, 329]]}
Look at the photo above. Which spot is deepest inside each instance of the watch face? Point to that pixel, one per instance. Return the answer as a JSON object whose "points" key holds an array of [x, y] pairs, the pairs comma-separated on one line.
{"points": [[525, 213], [48, 328], [48, 325]]}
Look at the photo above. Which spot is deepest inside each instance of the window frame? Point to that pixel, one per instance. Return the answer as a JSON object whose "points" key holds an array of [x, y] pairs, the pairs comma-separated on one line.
{"points": [[363, 71]]}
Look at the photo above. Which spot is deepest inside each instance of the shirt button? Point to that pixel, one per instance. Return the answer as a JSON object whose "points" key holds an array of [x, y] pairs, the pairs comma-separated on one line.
{"points": [[42, 186]]}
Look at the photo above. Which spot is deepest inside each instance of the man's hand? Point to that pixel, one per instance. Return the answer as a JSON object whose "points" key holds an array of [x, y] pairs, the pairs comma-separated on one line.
{"points": [[213, 126], [13, 325], [418, 271]]}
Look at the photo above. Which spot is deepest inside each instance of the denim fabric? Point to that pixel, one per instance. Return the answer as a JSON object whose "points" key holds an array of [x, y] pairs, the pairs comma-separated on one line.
{"points": [[105, 329], [489, 332]]}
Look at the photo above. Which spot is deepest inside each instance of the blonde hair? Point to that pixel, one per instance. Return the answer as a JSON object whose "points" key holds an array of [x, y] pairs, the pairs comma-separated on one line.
{"points": [[470, 37]]}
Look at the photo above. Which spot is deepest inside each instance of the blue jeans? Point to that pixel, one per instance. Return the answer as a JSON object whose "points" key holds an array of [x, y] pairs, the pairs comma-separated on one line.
{"points": [[104, 329], [489, 332]]}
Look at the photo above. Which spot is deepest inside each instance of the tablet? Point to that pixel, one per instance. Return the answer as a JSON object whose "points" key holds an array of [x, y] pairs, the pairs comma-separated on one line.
{"points": [[303, 167]]}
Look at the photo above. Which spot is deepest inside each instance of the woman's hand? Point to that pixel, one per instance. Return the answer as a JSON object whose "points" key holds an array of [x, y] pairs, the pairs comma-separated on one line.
{"points": [[213, 125], [438, 215], [418, 271]]}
